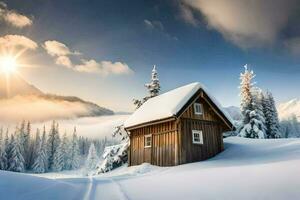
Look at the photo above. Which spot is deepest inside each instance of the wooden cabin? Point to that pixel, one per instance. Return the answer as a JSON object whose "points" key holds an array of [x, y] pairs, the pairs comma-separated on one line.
{"points": [[180, 126]]}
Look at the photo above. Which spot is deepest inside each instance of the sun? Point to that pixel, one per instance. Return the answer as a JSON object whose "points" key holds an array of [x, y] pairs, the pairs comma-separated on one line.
{"points": [[8, 64]]}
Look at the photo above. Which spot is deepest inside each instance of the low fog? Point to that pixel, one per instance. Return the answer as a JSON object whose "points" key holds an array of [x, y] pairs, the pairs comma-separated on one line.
{"points": [[38, 109]]}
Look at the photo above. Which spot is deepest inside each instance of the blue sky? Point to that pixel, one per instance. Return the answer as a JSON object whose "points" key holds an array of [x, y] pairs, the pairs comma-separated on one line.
{"points": [[188, 40]]}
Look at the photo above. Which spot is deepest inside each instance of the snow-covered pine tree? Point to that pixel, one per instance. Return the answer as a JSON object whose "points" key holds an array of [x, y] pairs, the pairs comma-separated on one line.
{"points": [[39, 161], [154, 86], [27, 149], [74, 152], [58, 160], [253, 122], [271, 116], [16, 160], [3, 155], [153, 89], [52, 143], [64, 151], [92, 159]]}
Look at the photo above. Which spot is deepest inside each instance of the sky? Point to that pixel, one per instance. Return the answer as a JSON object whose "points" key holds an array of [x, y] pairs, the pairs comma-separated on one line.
{"points": [[103, 51]]}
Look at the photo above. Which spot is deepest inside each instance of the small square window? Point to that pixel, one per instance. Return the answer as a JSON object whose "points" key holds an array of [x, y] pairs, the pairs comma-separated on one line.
{"points": [[197, 137], [198, 109], [148, 141]]}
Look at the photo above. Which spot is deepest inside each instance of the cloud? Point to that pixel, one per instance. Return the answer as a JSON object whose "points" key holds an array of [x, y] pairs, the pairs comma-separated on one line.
{"points": [[154, 25], [64, 61], [62, 54], [245, 23], [34, 108], [55, 48], [158, 26], [11, 41], [293, 45], [13, 17], [103, 67], [187, 15]]}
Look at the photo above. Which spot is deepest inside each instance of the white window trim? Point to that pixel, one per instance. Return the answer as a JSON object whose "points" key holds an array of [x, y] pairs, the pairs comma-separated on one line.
{"points": [[200, 135], [195, 110], [147, 136]]}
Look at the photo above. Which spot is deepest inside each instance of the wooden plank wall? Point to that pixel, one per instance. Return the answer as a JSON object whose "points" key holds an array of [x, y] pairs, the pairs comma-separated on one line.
{"points": [[164, 145], [212, 137], [208, 113]]}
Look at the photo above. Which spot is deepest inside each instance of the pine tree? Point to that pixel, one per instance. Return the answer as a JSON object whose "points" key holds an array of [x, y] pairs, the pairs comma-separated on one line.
{"points": [[3, 155], [27, 149], [16, 161], [92, 159], [64, 151], [271, 116], [39, 164], [153, 89], [253, 119], [52, 143], [58, 161], [74, 152]]}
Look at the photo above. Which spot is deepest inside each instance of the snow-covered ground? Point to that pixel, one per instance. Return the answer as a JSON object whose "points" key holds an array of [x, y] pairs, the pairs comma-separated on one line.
{"points": [[247, 169]]}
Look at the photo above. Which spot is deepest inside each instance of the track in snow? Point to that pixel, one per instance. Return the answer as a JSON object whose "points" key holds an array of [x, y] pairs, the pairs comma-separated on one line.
{"points": [[104, 188]]}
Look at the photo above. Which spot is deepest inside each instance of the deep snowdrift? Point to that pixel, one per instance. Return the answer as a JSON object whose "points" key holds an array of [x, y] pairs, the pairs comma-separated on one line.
{"points": [[247, 169]]}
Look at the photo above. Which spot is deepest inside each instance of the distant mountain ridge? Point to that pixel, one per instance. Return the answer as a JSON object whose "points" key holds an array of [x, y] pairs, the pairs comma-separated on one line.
{"points": [[289, 109], [18, 87]]}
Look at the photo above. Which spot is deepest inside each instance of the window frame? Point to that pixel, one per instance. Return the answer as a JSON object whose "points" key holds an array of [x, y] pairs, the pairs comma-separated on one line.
{"points": [[145, 141], [195, 109], [200, 137]]}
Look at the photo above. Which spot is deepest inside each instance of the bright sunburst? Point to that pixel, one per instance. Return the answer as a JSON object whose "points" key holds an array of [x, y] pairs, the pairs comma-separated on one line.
{"points": [[8, 64]]}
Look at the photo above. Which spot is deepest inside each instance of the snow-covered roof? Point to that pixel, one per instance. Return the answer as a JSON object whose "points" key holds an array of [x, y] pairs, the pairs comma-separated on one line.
{"points": [[168, 104]]}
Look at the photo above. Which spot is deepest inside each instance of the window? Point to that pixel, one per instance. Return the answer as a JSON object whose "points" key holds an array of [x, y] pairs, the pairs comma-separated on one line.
{"points": [[198, 109], [148, 141], [197, 137]]}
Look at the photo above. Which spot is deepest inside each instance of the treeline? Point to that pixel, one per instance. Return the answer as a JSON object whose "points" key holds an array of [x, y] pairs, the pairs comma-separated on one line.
{"points": [[46, 151]]}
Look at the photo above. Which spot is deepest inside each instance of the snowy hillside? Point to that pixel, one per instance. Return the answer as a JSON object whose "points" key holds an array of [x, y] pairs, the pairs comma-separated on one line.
{"points": [[289, 109], [234, 112], [247, 169]]}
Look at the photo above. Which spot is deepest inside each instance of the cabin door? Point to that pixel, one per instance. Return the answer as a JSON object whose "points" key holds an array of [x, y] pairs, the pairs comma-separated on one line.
{"points": [[148, 148]]}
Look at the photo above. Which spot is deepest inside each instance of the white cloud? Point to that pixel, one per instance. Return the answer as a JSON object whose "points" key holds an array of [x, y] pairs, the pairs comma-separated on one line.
{"points": [[245, 23], [13, 17], [62, 54], [64, 61], [10, 41], [103, 67], [158, 26], [55, 48], [154, 24]]}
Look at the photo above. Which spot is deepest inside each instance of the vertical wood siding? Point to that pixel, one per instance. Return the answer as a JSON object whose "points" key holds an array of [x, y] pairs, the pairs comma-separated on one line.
{"points": [[164, 144]]}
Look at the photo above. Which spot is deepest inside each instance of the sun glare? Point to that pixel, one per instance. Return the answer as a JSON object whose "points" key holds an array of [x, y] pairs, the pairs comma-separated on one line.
{"points": [[8, 64]]}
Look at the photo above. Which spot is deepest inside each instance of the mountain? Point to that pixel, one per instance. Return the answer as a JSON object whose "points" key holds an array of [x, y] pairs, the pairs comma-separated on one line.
{"points": [[289, 109], [25, 101], [234, 112], [15, 85]]}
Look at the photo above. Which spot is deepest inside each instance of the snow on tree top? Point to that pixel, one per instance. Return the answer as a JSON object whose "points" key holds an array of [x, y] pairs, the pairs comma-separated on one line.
{"points": [[168, 105]]}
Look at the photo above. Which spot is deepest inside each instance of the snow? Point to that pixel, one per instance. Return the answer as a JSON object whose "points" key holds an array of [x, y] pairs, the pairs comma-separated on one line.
{"points": [[168, 105], [247, 169], [289, 109]]}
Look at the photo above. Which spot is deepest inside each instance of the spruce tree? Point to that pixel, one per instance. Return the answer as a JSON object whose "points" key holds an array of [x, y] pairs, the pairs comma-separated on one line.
{"points": [[74, 151], [271, 116], [16, 161], [52, 143], [38, 165], [58, 159], [153, 89], [253, 120], [92, 159], [3, 155]]}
